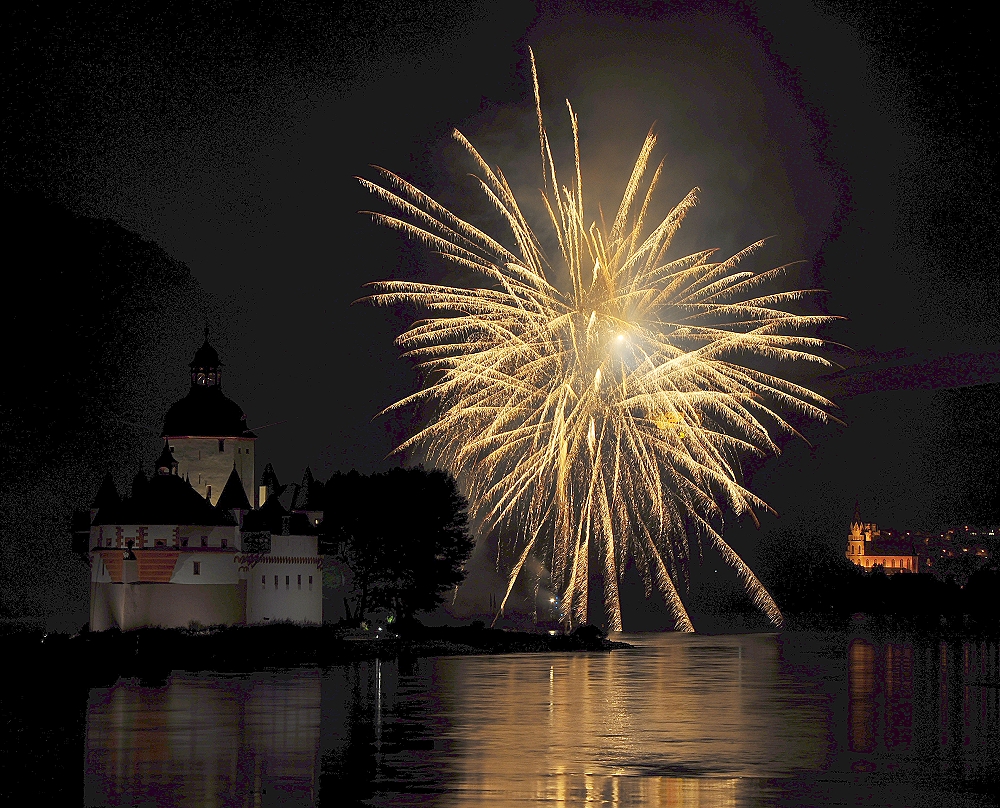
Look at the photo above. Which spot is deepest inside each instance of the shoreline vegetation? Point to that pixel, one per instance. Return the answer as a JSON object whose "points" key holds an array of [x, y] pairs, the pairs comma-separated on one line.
{"points": [[152, 654]]}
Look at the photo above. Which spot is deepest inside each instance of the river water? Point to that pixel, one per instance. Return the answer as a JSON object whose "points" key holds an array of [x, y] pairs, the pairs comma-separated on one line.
{"points": [[681, 720]]}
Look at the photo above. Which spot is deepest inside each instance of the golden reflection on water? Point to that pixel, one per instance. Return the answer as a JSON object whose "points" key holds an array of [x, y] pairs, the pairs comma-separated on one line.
{"points": [[205, 741], [936, 703], [685, 725], [682, 720], [860, 687]]}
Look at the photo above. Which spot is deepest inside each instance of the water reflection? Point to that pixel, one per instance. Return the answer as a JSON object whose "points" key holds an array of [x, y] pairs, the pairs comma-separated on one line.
{"points": [[567, 727], [688, 721], [679, 721], [205, 740], [933, 705]]}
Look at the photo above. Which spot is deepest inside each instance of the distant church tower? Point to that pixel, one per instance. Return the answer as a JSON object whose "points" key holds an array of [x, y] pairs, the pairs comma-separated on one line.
{"points": [[207, 432], [856, 538]]}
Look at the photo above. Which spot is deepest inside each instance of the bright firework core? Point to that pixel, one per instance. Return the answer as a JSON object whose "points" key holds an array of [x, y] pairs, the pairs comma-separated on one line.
{"points": [[605, 419]]}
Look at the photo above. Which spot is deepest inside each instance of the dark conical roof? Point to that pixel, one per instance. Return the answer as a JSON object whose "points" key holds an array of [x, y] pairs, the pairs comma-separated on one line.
{"points": [[305, 496], [139, 483], [857, 514], [233, 494], [166, 500], [269, 480], [274, 518], [107, 494]]}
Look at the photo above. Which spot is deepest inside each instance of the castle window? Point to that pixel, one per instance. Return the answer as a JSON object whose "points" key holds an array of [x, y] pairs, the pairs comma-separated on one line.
{"points": [[222, 445], [107, 542], [204, 541], [184, 542], [275, 581], [310, 583], [197, 568], [300, 582], [286, 582], [263, 582], [160, 543], [225, 543]]}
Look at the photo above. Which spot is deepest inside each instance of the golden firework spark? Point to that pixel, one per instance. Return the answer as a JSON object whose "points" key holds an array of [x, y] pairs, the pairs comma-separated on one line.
{"points": [[603, 419]]}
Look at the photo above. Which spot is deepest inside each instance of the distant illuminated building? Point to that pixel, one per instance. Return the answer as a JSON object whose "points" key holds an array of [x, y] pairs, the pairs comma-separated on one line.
{"points": [[869, 548], [169, 556], [957, 552]]}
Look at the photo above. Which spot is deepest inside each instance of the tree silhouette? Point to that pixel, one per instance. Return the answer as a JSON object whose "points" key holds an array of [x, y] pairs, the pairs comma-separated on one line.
{"points": [[404, 535], [352, 533]]}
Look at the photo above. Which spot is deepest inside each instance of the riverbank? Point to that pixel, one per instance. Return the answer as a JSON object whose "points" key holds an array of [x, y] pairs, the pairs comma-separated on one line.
{"points": [[931, 625], [150, 654]]}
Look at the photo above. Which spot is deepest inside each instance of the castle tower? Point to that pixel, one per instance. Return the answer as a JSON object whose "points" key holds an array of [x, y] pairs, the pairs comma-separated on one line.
{"points": [[207, 432]]}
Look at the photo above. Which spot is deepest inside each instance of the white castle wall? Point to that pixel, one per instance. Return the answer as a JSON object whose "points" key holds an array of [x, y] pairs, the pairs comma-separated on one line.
{"points": [[136, 605], [286, 584], [213, 568]]}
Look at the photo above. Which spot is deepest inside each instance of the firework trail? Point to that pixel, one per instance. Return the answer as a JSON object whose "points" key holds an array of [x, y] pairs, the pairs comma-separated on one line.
{"points": [[594, 405]]}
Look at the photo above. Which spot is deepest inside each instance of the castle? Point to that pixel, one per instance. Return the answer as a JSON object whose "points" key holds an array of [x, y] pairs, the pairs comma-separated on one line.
{"points": [[869, 548], [167, 555]]}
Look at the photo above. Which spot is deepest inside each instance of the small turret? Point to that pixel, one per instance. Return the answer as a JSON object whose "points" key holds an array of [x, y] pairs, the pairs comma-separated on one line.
{"points": [[165, 463]]}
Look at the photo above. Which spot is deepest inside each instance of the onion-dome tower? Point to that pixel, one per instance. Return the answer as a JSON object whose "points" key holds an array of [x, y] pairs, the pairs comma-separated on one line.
{"points": [[207, 432]]}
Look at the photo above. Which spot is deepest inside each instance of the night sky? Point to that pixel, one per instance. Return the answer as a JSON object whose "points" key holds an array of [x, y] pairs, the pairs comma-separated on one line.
{"points": [[859, 138]]}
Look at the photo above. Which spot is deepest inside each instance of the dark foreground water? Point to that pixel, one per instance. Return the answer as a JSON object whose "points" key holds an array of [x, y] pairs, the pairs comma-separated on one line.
{"points": [[793, 719]]}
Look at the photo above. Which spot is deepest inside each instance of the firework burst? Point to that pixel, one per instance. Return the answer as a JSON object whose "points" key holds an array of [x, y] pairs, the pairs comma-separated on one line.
{"points": [[595, 403]]}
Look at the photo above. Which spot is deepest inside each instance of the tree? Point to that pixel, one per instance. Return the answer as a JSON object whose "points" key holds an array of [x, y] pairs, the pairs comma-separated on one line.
{"points": [[351, 528], [404, 535], [427, 540]]}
